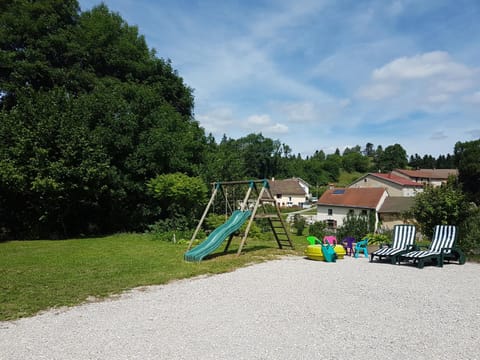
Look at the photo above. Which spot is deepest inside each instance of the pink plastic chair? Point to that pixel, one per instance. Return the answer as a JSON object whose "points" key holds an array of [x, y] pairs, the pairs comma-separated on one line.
{"points": [[332, 240]]}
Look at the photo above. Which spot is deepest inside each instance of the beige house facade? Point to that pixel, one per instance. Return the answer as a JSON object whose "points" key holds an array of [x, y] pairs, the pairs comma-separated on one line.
{"points": [[394, 184], [434, 177]]}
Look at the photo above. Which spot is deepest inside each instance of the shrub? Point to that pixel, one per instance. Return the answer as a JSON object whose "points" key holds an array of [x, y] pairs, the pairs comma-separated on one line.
{"points": [[377, 238], [299, 224], [469, 237], [318, 229], [355, 226]]}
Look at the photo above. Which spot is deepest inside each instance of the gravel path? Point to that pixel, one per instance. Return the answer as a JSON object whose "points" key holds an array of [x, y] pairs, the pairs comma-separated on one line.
{"points": [[292, 308]]}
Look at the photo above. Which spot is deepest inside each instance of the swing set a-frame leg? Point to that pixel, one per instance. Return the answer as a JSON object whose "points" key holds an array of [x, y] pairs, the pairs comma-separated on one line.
{"points": [[252, 216], [199, 226]]}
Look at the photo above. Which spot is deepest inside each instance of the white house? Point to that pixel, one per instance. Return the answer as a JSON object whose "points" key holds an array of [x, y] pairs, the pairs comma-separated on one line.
{"points": [[290, 192], [335, 204]]}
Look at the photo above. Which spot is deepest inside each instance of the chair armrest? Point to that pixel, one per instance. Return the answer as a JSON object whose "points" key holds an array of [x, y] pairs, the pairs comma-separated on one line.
{"points": [[445, 250]]}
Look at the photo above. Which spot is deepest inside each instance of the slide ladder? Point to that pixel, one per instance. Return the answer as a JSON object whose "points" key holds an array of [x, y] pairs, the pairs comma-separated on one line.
{"points": [[279, 232]]}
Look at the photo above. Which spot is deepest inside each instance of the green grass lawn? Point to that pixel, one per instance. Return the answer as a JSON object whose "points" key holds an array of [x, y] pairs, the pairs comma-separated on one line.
{"points": [[38, 275]]}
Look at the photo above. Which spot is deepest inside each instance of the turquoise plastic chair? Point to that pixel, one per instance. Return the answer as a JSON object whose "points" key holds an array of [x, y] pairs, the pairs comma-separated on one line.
{"points": [[361, 246], [329, 253]]}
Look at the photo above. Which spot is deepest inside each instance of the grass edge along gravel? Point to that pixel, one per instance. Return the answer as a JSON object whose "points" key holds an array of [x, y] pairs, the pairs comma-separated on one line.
{"points": [[40, 275]]}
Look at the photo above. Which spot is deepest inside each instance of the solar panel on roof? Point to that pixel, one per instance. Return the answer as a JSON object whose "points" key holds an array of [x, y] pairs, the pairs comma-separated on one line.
{"points": [[339, 191]]}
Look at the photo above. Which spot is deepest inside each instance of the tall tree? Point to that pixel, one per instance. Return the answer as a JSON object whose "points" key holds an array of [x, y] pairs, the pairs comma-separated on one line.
{"points": [[439, 205], [393, 157], [88, 115], [467, 159]]}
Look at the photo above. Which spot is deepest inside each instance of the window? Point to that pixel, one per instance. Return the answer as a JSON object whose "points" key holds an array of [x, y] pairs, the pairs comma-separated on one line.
{"points": [[331, 224], [364, 212], [351, 212], [330, 212], [279, 196]]}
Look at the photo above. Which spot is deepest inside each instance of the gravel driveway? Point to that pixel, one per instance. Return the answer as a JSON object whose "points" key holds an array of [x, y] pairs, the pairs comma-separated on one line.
{"points": [[292, 308]]}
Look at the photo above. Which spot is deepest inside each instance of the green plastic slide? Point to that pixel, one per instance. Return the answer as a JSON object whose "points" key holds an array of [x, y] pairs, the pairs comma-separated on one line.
{"points": [[217, 236]]}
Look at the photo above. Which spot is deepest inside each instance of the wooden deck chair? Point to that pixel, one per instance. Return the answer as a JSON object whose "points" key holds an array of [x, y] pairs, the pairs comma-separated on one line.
{"points": [[441, 248], [403, 241]]}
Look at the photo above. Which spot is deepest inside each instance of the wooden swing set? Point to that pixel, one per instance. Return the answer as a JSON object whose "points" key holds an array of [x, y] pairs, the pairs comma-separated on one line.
{"points": [[259, 211]]}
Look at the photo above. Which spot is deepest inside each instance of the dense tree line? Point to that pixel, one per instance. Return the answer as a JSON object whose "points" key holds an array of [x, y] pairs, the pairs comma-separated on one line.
{"points": [[92, 121]]}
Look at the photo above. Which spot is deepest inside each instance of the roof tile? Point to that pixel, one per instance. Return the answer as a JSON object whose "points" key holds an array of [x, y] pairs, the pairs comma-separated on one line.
{"points": [[352, 197]]}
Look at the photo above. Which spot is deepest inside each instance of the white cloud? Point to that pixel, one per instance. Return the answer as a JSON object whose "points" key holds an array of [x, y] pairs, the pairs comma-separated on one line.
{"points": [[277, 129], [264, 124], [415, 83], [422, 66], [259, 120], [217, 120], [378, 91], [300, 111]]}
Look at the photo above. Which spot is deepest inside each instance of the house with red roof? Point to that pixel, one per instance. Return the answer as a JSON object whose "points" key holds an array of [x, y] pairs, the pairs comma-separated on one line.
{"points": [[394, 184], [335, 204], [435, 177]]}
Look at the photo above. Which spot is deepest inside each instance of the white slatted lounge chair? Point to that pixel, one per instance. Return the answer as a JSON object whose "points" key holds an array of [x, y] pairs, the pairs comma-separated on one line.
{"points": [[403, 242], [441, 248]]}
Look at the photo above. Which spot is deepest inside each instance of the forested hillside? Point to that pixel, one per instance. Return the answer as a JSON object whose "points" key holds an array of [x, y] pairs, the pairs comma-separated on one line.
{"points": [[89, 115]]}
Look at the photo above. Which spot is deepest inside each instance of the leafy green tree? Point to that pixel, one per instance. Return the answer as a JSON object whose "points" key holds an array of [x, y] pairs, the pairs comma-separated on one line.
{"points": [[356, 226], [354, 161], [318, 229], [467, 159], [445, 204], [37, 46], [393, 157], [369, 151], [52, 172], [469, 238], [88, 115], [178, 195], [332, 166]]}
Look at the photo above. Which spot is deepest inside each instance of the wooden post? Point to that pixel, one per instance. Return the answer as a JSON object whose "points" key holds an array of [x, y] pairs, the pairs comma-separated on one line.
{"points": [[251, 220], [217, 186]]}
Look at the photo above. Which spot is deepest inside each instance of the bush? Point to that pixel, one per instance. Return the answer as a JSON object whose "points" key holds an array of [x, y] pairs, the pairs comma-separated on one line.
{"points": [[299, 224], [318, 229], [212, 221], [469, 237], [377, 238], [355, 226], [173, 230]]}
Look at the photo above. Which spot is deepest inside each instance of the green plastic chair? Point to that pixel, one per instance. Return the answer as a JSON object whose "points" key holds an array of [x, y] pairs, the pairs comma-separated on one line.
{"points": [[313, 240]]}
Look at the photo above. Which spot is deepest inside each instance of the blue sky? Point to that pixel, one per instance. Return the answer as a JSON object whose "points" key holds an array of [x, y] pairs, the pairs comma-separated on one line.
{"points": [[323, 74]]}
